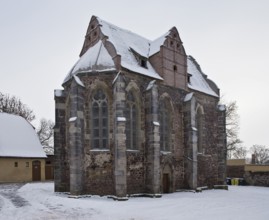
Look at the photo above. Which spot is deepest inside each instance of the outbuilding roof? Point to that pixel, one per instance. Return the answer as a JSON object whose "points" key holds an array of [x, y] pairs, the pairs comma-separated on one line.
{"points": [[18, 138]]}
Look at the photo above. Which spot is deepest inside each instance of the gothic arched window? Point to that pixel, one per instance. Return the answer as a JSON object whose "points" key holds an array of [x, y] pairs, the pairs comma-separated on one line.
{"points": [[99, 120], [131, 122], [165, 126]]}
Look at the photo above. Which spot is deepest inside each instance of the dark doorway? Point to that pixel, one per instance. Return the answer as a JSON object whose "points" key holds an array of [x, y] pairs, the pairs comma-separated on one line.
{"points": [[36, 170], [49, 172], [166, 183]]}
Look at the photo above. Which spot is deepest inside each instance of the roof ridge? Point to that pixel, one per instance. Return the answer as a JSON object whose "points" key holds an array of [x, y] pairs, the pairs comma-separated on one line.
{"points": [[120, 28]]}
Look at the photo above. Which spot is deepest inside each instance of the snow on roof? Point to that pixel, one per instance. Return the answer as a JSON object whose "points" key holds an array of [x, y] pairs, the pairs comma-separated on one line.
{"points": [[123, 40], [115, 79], [72, 119], [79, 82], [96, 58], [150, 85], [58, 92], [18, 138], [121, 119], [130, 46], [188, 97], [156, 44], [222, 107], [197, 80]]}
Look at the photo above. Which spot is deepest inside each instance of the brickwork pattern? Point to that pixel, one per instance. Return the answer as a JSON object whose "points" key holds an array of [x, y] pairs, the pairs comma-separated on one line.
{"points": [[99, 178]]}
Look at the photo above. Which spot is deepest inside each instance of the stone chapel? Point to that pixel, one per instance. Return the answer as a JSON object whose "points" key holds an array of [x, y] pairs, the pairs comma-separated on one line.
{"points": [[137, 116]]}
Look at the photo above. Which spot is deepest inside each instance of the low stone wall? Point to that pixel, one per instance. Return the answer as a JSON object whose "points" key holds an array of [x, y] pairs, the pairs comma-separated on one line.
{"points": [[257, 178]]}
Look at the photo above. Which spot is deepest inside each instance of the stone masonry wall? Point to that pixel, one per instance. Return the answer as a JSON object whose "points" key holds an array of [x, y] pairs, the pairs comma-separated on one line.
{"points": [[135, 172], [210, 159], [61, 165], [257, 178], [99, 166], [99, 173], [176, 158]]}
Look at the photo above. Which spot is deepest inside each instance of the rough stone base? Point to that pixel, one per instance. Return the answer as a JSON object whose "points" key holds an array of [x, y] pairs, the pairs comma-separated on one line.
{"points": [[225, 187]]}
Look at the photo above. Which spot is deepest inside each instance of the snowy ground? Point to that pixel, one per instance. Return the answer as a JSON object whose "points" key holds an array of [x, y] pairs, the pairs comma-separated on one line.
{"points": [[38, 201]]}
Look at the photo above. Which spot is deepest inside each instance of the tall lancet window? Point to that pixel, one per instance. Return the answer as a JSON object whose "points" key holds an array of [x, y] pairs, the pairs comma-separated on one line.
{"points": [[131, 122], [165, 126], [99, 120]]}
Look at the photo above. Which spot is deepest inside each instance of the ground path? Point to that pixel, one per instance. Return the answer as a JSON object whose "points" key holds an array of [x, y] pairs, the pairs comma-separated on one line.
{"points": [[9, 193], [38, 201]]}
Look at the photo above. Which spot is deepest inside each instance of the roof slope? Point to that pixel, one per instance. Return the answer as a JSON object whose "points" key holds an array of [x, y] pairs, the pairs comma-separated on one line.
{"points": [[156, 44], [96, 58], [197, 79], [128, 45], [18, 138], [124, 40]]}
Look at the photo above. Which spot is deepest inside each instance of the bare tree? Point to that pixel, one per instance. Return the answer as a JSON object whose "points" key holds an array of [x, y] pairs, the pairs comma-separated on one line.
{"points": [[13, 105], [239, 152], [232, 129], [45, 132], [261, 153]]}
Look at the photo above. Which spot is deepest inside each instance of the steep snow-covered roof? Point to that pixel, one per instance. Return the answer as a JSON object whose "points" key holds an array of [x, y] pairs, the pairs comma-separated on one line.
{"points": [[156, 44], [96, 58], [123, 41], [18, 138], [128, 45], [197, 80]]}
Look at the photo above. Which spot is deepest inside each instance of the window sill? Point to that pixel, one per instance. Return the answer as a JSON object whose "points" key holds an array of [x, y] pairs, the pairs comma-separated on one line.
{"points": [[99, 150]]}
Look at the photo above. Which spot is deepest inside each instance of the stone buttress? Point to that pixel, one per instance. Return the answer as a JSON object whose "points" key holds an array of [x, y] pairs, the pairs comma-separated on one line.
{"points": [[120, 160], [76, 138], [152, 142], [222, 144], [190, 134], [61, 175]]}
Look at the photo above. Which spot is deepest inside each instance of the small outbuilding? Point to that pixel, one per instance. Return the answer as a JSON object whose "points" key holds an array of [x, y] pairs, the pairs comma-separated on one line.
{"points": [[22, 157], [250, 173]]}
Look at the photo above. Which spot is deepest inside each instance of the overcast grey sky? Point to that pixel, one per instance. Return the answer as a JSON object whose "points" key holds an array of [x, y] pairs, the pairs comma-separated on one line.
{"points": [[41, 40]]}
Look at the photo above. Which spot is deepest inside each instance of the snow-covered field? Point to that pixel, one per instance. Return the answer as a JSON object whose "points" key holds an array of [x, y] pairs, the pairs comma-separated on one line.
{"points": [[38, 201]]}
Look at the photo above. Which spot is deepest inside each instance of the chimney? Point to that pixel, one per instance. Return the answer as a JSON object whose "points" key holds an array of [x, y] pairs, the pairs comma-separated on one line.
{"points": [[253, 159]]}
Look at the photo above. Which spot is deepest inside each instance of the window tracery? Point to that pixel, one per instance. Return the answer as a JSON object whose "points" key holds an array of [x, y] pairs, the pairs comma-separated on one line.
{"points": [[99, 120]]}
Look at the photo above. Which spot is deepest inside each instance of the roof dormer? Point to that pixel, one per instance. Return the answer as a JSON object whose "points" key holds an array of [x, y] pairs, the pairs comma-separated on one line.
{"points": [[142, 60]]}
